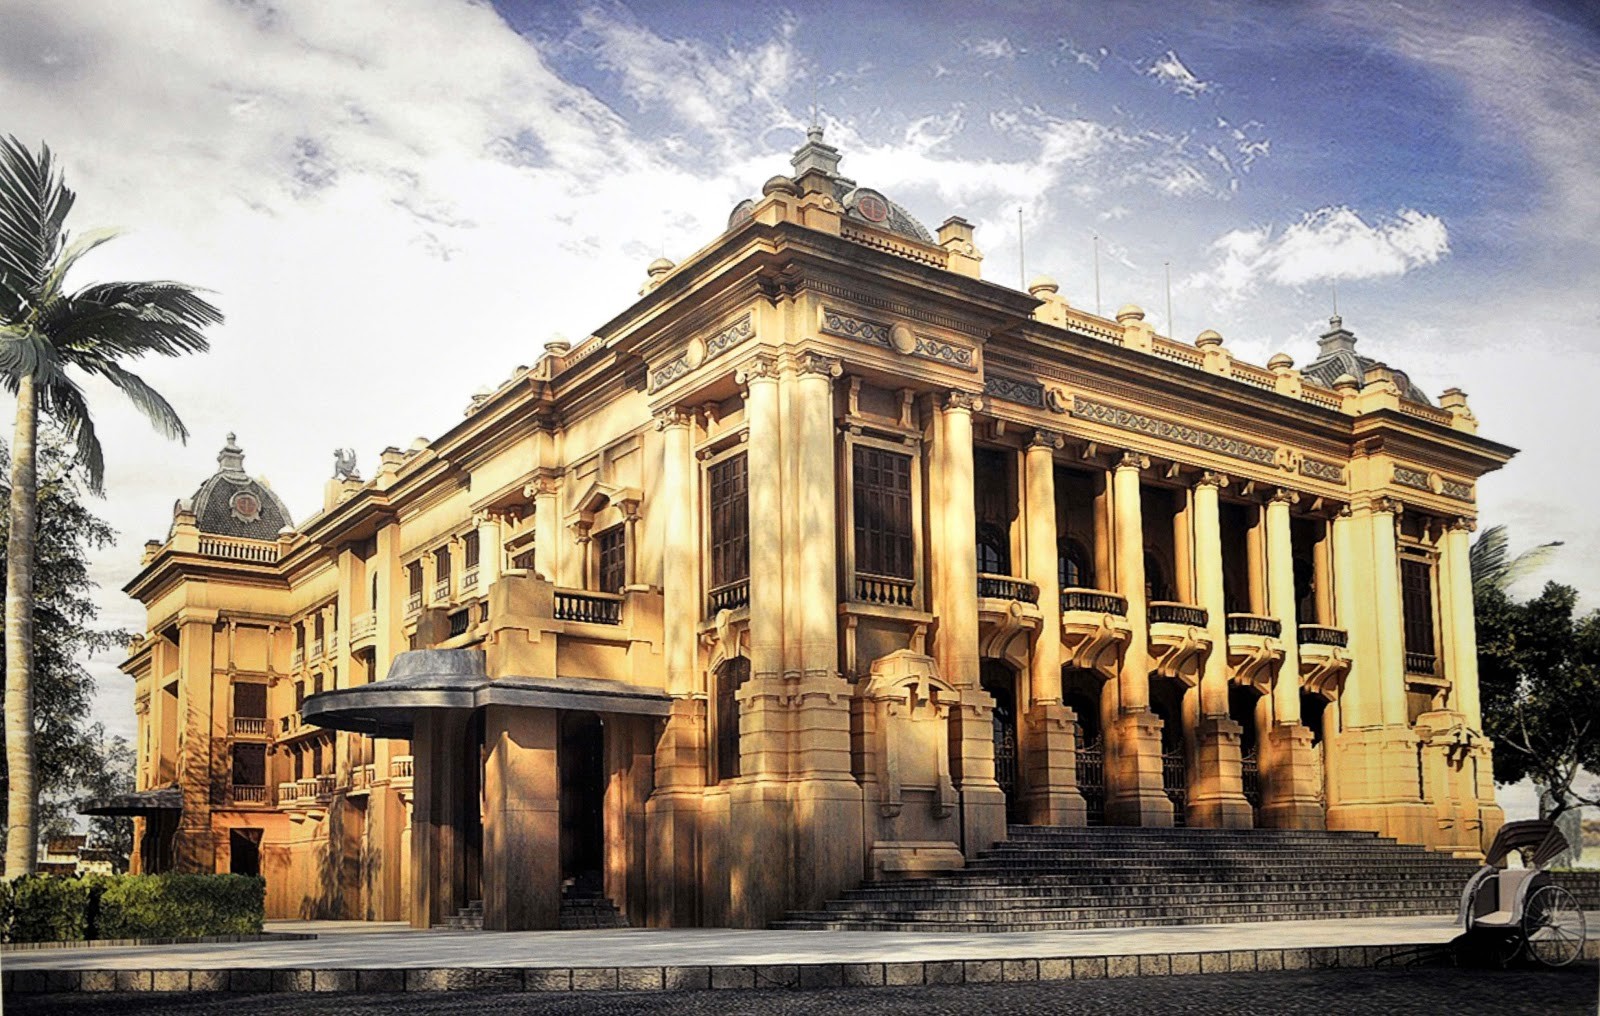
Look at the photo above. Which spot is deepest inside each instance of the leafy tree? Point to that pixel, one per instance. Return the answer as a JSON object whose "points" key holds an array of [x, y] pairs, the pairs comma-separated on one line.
{"points": [[44, 330], [1539, 684], [75, 759]]}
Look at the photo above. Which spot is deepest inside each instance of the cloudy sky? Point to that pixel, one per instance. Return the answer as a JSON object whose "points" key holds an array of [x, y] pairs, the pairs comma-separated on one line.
{"points": [[398, 202]]}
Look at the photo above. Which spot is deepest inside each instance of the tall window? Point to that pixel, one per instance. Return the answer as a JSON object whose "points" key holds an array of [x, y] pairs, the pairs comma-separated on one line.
{"points": [[1073, 567], [730, 676], [996, 508], [414, 578], [469, 550], [1416, 604], [613, 559], [882, 500], [250, 700], [994, 549], [441, 566], [730, 521], [1156, 586], [249, 765]]}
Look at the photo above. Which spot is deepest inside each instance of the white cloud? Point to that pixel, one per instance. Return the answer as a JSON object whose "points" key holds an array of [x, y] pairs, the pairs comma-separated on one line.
{"points": [[1329, 244], [991, 49], [1172, 72], [1088, 58]]}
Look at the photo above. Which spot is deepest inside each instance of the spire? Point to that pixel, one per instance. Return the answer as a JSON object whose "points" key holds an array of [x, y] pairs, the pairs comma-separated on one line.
{"points": [[230, 461], [1337, 339], [815, 154]]}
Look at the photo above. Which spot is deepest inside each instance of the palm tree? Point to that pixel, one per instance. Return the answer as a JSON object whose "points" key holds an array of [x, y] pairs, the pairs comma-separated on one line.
{"points": [[1493, 567], [44, 330]]}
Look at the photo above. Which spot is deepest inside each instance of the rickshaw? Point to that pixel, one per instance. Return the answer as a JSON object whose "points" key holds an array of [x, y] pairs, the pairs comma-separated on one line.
{"points": [[1516, 911]]}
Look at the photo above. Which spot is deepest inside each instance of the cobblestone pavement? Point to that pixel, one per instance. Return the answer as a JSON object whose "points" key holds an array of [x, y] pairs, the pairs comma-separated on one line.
{"points": [[1364, 992]]}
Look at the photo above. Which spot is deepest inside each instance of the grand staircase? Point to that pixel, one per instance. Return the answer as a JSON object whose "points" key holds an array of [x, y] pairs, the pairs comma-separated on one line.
{"points": [[1046, 878], [583, 906]]}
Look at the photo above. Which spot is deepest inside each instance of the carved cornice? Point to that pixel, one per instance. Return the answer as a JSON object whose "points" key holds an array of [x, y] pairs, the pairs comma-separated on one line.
{"points": [[1413, 478], [1171, 430], [1457, 489], [898, 338], [700, 351], [1319, 470], [1012, 389]]}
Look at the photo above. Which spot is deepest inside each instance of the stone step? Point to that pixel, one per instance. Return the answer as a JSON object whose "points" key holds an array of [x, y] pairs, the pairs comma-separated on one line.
{"points": [[1093, 892], [824, 922]]}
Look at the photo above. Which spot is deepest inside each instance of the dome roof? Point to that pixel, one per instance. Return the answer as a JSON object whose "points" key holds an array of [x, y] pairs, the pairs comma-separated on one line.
{"points": [[1337, 357], [862, 204], [233, 503]]}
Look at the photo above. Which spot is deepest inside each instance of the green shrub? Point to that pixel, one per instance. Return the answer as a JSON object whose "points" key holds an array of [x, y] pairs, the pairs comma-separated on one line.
{"points": [[47, 908], [179, 906]]}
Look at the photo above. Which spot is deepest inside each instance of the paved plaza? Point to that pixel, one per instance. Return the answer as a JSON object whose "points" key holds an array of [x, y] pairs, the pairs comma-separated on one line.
{"points": [[1333, 992]]}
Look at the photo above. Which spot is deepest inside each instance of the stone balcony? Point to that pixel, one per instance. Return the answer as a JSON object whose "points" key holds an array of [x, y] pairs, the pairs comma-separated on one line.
{"points": [[248, 795], [1324, 658], [252, 726], [400, 772], [531, 626], [1008, 610], [1094, 630], [363, 629], [1179, 640], [1255, 650]]}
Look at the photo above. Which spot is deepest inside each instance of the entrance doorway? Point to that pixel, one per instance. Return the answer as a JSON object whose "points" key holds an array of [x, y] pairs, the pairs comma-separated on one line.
{"points": [[1081, 691], [1166, 701], [581, 766], [1000, 681], [244, 851], [1243, 704]]}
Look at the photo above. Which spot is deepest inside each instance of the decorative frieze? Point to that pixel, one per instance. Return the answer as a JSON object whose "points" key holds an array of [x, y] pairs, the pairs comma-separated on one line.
{"points": [[1319, 470], [1456, 489], [1011, 389], [899, 338], [698, 351], [1171, 430], [729, 337], [1414, 478], [669, 372]]}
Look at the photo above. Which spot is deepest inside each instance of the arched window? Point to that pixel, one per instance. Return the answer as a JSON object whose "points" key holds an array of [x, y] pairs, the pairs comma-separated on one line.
{"points": [[730, 675], [994, 550], [1073, 566], [1156, 584]]}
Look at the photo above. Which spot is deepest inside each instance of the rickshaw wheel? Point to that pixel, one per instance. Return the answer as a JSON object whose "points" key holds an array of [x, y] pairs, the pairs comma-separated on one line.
{"points": [[1553, 926]]}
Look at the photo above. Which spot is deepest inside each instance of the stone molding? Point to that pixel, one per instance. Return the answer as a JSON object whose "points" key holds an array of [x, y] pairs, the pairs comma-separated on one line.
{"points": [[1171, 430]]}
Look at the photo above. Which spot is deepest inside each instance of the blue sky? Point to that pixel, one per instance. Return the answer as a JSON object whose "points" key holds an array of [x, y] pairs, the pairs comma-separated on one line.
{"points": [[398, 203]]}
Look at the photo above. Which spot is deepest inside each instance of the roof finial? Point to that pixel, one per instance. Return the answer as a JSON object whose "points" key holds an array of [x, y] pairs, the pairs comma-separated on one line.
{"points": [[231, 459]]}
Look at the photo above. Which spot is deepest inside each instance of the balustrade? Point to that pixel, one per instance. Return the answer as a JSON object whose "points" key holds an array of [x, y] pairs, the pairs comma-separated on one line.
{"points": [[469, 580], [1004, 587], [1166, 612], [730, 596], [250, 726], [1322, 635], [1425, 664], [884, 589], [244, 793], [1095, 601], [590, 608], [1254, 624]]}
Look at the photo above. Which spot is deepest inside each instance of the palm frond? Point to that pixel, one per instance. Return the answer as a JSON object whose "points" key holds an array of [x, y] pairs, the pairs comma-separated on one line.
{"points": [[131, 319], [14, 301], [34, 202], [54, 283], [63, 402], [146, 399], [27, 352], [1487, 558]]}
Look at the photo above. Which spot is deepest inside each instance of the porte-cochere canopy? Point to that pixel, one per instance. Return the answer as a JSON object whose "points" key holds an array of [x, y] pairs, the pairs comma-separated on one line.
{"points": [[457, 679]]}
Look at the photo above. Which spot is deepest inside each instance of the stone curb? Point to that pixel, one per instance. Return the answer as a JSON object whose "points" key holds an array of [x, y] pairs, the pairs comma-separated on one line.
{"points": [[795, 976], [108, 943]]}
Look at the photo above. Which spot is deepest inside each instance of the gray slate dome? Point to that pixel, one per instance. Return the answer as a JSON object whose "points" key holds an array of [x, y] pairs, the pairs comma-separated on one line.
{"points": [[1337, 356], [862, 204], [233, 503]]}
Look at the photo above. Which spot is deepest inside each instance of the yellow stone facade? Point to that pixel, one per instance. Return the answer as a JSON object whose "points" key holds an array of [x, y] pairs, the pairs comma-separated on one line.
{"points": [[1002, 561]]}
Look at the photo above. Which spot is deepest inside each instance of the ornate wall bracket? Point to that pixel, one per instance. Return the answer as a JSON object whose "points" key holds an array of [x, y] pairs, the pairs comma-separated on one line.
{"points": [[1253, 660], [1178, 651], [1323, 669], [1094, 641]]}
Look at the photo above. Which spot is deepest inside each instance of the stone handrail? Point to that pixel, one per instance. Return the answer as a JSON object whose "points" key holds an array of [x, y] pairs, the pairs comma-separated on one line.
{"points": [[1169, 612], [888, 590], [729, 596], [238, 549], [1254, 624], [1005, 587], [1095, 601], [588, 607], [1323, 635]]}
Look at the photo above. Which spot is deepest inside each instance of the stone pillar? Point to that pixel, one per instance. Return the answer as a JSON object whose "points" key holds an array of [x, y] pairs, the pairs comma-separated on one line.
{"points": [[1460, 627], [547, 528], [1049, 748], [490, 557], [828, 842], [1216, 791], [202, 771], [521, 820], [1134, 794], [672, 812], [955, 604], [1289, 794]]}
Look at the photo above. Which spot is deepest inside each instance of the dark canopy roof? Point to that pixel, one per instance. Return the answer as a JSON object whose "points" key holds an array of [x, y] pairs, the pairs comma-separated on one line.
{"points": [[457, 679], [143, 802]]}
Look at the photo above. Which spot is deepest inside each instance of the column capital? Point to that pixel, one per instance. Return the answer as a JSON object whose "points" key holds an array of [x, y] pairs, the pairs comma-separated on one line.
{"points": [[1284, 496], [815, 364], [1132, 460], [760, 368], [970, 402], [542, 486], [672, 416], [1049, 440], [1388, 505], [1211, 478], [1463, 523], [1345, 512]]}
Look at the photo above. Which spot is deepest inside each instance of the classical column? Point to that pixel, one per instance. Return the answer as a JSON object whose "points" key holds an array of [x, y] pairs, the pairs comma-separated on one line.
{"points": [[764, 465], [1049, 739], [1134, 794], [955, 605], [817, 505], [680, 600], [1216, 795], [1391, 655], [1289, 771], [547, 528], [1460, 628], [489, 554]]}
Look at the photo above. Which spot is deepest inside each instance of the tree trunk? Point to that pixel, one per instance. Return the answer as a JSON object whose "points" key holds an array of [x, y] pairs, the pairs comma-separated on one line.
{"points": [[23, 792]]}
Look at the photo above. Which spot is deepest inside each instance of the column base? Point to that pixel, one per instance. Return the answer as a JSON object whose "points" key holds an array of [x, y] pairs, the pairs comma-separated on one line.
{"points": [[1134, 794], [1378, 784], [672, 829], [983, 817], [1216, 793], [828, 848], [1050, 750], [1290, 797]]}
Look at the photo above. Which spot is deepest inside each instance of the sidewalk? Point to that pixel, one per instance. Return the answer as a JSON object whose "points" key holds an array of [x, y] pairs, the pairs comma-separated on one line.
{"points": [[352, 956]]}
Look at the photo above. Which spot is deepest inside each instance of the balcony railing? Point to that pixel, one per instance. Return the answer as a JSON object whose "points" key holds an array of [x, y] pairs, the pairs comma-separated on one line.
{"points": [[460, 622], [1254, 624], [287, 792], [364, 625], [441, 590], [250, 726], [358, 778], [326, 783], [239, 549], [1322, 635], [729, 596], [305, 790], [369, 774], [469, 580], [400, 769], [1095, 601], [1422, 663], [316, 650], [590, 608], [1004, 587], [413, 604], [1166, 612], [244, 793], [884, 589], [298, 658], [333, 643]]}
